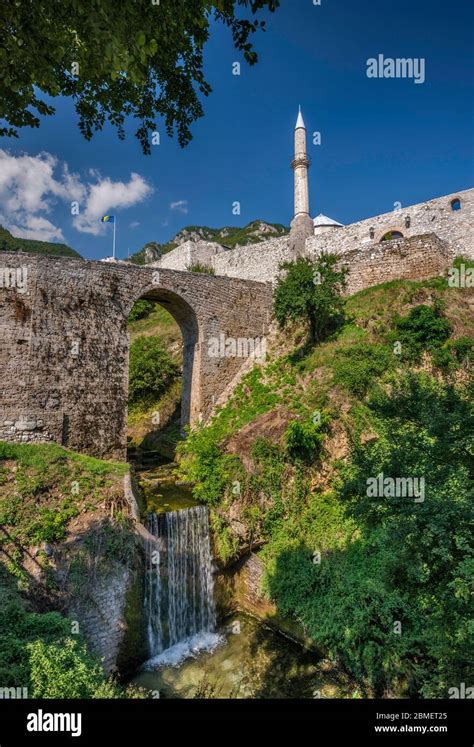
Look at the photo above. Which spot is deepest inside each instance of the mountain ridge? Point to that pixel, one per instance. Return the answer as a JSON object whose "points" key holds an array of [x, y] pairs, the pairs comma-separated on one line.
{"points": [[229, 236], [9, 243]]}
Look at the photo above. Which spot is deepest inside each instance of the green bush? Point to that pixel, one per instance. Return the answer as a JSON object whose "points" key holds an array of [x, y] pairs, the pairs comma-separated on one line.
{"points": [[390, 560], [208, 467], [141, 310], [303, 439], [424, 328], [152, 371], [66, 670], [454, 354], [51, 524], [204, 269], [38, 652], [358, 367]]}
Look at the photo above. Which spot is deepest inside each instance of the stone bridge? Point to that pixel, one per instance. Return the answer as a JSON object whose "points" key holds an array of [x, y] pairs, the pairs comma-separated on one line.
{"points": [[64, 344]]}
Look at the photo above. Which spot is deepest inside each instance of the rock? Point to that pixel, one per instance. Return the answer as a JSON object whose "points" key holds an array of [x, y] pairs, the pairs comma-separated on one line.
{"points": [[25, 425]]}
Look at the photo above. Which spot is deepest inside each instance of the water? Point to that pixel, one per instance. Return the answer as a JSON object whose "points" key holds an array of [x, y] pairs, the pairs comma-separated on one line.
{"points": [[250, 661], [179, 596], [162, 492], [188, 657]]}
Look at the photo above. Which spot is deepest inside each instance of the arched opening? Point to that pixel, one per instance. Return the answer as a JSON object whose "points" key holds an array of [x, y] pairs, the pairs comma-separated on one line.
{"points": [[163, 393], [456, 204], [391, 235]]}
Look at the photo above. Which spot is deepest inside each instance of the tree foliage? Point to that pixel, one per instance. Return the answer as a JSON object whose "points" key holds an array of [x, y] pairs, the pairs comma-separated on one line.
{"points": [[38, 652], [141, 310], [152, 370], [409, 562], [141, 59], [311, 291]]}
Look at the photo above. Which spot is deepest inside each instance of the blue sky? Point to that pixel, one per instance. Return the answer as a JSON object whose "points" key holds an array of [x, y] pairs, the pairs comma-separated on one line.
{"points": [[383, 140]]}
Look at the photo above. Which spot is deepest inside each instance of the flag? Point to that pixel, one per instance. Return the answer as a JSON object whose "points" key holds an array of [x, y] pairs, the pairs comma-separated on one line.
{"points": [[108, 219]]}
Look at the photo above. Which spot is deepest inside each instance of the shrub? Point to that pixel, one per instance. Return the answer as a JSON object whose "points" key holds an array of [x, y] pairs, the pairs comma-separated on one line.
{"points": [[38, 652], [358, 367], [424, 328], [152, 370], [303, 439], [198, 267], [66, 670], [141, 310], [311, 291], [454, 354], [389, 559]]}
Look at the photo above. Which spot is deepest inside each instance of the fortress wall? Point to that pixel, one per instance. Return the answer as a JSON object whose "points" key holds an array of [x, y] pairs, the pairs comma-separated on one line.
{"points": [[435, 216], [417, 258], [258, 262], [190, 253]]}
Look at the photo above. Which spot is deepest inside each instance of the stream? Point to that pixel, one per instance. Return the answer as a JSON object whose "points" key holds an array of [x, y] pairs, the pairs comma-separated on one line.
{"points": [[190, 656]]}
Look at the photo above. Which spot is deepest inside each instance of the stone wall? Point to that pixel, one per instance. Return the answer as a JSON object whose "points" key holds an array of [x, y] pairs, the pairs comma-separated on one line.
{"points": [[417, 258], [101, 614], [434, 216], [190, 253], [64, 345], [260, 262]]}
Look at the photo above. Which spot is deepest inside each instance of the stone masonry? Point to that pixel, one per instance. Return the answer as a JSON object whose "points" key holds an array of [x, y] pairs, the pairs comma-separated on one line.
{"points": [[64, 345], [261, 262]]}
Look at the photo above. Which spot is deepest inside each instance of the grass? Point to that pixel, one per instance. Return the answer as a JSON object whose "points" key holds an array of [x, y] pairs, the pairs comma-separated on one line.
{"points": [[159, 323], [43, 487]]}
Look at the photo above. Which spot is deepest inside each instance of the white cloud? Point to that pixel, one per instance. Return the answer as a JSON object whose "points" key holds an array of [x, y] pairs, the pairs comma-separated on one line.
{"points": [[134, 224], [31, 186], [181, 205], [36, 227], [105, 196]]}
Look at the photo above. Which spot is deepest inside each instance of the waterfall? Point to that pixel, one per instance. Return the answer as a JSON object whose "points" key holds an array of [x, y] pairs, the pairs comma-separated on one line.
{"points": [[179, 599]]}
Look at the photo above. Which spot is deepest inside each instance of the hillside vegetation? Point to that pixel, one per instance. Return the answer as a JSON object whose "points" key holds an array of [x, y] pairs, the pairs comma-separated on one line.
{"points": [[9, 243], [383, 584], [63, 519]]}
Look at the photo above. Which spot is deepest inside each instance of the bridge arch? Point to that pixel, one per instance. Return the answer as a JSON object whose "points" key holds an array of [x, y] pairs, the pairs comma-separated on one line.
{"points": [[187, 320]]}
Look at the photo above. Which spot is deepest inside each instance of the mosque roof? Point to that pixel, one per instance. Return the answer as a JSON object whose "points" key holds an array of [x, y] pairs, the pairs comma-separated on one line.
{"points": [[323, 220]]}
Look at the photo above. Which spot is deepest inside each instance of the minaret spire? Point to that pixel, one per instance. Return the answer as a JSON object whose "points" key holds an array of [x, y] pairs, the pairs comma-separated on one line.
{"points": [[300, 120], [301, 225]]}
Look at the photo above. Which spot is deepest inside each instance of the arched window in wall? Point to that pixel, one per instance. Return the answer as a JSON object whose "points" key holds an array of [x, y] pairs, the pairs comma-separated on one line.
{"points": [[456, 204], [391, 235]]}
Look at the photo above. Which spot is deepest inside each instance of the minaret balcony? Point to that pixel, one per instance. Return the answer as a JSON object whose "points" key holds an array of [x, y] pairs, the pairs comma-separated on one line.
{"points": [[301, 161]]}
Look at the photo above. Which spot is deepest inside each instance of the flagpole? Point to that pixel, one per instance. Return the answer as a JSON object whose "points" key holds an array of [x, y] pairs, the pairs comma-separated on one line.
{"points": [[113, 254]]}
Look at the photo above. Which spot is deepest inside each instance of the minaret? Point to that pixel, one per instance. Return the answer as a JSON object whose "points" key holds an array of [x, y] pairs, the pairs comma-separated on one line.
{"points": [[302, 224]]}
